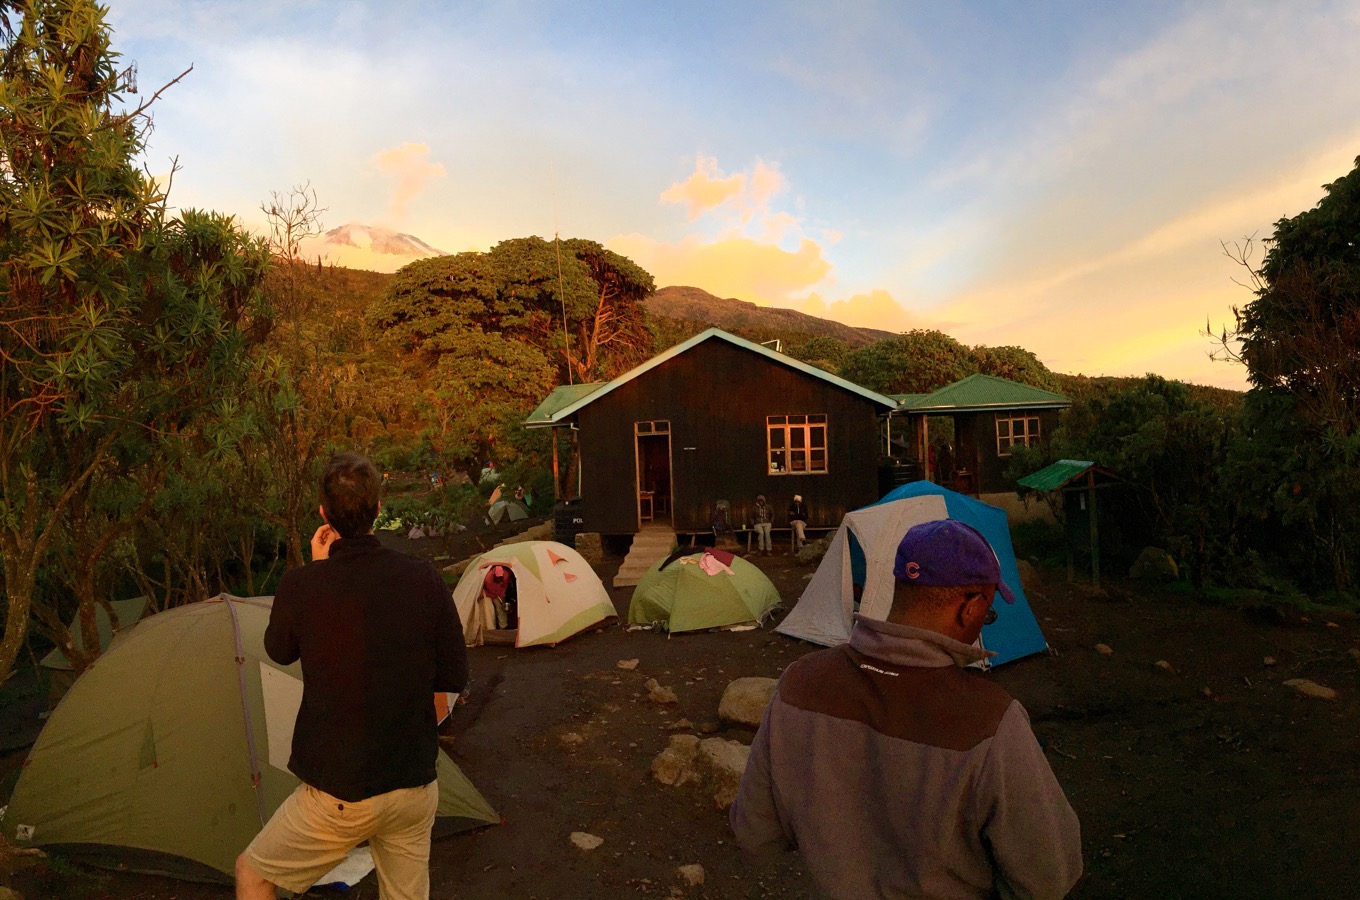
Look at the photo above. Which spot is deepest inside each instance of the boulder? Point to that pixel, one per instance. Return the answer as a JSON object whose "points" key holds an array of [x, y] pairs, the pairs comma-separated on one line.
{"points": [[627, 664], [745, 700], [691, 875], [1154, 565], [675, 764], [721, 763], [1104, 649], [591, 547]]}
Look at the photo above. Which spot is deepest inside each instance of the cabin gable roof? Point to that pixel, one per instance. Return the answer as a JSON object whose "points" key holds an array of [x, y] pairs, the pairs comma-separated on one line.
{"points": [[565, 401]]}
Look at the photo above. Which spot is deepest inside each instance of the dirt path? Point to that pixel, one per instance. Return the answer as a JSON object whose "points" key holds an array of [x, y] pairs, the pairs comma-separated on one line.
{"points": [[1209, 780]]}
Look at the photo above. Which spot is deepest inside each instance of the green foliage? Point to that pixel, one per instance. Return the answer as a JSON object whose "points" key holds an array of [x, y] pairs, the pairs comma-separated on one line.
{"points": [[1015, 364], [1300, 342], [913, 363], [484, 338], [825, 353]]}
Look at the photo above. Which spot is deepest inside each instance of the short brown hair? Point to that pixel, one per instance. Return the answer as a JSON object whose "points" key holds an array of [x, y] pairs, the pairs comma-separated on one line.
{"points": [[350, 489]]}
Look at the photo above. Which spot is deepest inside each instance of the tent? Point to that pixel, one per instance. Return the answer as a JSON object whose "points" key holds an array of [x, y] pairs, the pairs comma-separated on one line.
{"points": [[63, 673], [558, 593], [128, 613], [170, 752], [696, 591], [861, 554]]}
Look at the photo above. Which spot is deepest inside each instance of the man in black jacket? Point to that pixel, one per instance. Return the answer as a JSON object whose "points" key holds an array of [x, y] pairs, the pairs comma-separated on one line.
{"points": [[378, 635]]}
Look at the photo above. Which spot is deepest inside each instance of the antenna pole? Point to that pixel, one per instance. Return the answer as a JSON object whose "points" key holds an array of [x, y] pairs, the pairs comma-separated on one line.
{"points": [[561, 294]]}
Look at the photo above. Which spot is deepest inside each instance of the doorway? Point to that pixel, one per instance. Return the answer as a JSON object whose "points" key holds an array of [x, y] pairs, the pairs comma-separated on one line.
{"points": [[653, 446]]}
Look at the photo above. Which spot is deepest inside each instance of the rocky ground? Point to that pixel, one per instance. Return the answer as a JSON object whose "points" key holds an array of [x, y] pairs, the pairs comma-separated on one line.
{"points": [[1197, 770]]}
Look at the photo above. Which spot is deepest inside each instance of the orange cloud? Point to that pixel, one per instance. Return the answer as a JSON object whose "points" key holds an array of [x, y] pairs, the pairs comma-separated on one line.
{"points": [[747, 196], [875, 309], [734, 267], [705, 189], [409, 167]]}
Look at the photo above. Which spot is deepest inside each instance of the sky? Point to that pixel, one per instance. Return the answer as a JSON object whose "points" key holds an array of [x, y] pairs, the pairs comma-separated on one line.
{"points": [[1059, 176]]}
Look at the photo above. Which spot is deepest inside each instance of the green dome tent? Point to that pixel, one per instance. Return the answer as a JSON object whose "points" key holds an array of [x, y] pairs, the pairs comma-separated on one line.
{"points": [[697, 591], [170, 752]]}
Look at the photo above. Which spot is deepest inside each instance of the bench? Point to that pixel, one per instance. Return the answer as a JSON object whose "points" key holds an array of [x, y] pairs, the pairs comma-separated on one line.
{"points": [[808, 532]]}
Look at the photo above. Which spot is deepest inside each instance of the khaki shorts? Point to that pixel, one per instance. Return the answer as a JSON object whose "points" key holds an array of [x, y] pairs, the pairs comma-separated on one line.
{"points": [[312, 831]]}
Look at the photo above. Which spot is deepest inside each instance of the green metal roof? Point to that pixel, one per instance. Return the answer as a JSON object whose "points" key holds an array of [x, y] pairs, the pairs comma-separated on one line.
{"points": [[983, 392], [563, 409], [560, 398], [1060, 474]]}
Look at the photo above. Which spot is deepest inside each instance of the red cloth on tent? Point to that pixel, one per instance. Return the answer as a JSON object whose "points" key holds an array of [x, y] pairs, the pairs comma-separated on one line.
{"points": [[721, 556]]}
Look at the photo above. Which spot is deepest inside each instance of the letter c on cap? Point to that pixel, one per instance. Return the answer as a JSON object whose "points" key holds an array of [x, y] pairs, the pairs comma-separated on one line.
{"points": [[913, 570]]}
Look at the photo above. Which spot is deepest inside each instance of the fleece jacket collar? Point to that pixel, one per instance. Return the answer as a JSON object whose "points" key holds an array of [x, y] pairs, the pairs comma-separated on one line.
{"points": [[904, 645]]}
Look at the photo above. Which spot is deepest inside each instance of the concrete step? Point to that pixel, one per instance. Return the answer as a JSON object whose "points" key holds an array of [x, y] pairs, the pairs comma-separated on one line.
{"points": [[648, 546]]}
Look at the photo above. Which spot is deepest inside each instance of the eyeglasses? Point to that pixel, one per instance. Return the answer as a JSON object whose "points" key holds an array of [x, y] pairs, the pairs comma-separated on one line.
{"points": [[990, 617]]}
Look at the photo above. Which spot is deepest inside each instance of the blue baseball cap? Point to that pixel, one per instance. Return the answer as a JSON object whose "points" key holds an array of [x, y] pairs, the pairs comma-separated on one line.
{"points": [[948, 553]]}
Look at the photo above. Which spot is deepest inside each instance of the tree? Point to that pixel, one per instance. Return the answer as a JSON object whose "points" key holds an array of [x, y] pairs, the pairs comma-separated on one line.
{"points": [[825, 353], [1015, 364], [913, 363], [489, 334], [117, 327], [1299, 338]]}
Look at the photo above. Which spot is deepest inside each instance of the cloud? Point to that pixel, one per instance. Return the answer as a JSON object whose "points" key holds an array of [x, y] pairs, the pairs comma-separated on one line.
{"points": [[875, 309], [738, 200], [738, 267], [410, 169], [705, 189]]}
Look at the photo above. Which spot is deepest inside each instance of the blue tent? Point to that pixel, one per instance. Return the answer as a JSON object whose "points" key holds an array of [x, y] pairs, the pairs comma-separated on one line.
{"points": [[856, 573]]}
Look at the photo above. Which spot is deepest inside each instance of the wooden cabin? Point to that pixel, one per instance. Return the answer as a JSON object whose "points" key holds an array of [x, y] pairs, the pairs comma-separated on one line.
{"points": [[717, 420], [990, 416]]}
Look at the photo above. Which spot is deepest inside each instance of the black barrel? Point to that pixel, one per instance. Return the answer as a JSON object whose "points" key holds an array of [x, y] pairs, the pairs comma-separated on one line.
{"points": [[567, 521]]}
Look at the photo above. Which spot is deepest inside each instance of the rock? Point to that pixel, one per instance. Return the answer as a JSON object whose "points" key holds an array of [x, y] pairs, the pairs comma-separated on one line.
{"points": [[571, 739], [11, 894], [681, 725], [1154, 565], [1355, 654], [1029, 576], [585, 841], [658, 694], [629, 664], [1165, 666], [1268, 661], [1104, 649], [591, 548], [721, 763], [745, 699], [813, 551], [692, 875], [1311, 688], [675, 764], [416, 533], [707, 728]]}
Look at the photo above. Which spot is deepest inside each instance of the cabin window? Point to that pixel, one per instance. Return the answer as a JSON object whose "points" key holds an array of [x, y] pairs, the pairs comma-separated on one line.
{"points": [[797, 444], [659, 427], [1012, 430]]}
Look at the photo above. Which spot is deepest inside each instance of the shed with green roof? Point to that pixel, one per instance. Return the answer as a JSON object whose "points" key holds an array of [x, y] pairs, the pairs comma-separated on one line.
{"points": [[991, 416]]}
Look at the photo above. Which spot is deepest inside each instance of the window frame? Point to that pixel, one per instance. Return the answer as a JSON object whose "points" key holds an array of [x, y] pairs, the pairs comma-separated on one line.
{"points": [[805, 426], [1032, 428]]}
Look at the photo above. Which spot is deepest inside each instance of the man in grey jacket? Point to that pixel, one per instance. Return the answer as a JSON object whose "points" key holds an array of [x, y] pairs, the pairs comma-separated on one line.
{"points": [[895, 771]]}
